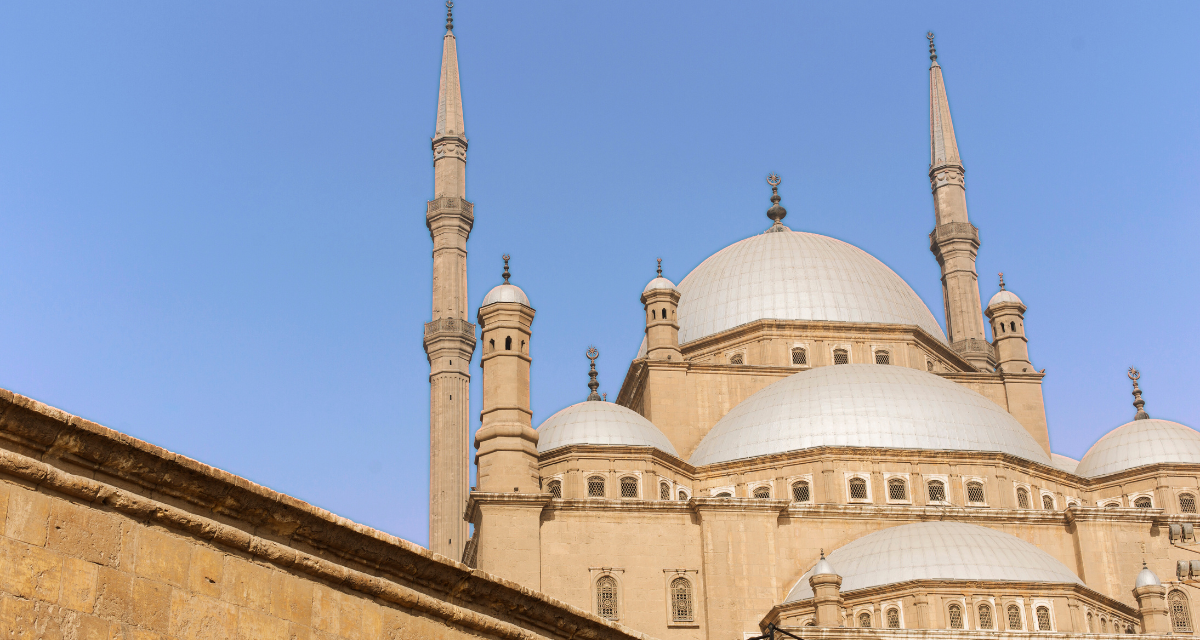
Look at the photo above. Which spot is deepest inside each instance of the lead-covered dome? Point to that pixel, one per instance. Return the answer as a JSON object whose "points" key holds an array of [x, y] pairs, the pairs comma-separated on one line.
{"points": [[1139, 443], [938, 551], [600, 422], [865, 405], [791, 275], [1004, 296], [506, 293]]}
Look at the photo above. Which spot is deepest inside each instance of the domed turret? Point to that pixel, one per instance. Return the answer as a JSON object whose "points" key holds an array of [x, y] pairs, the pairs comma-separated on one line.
{"points": [[505, 292], [1007, 313], [1146, 577], [661, 301]]}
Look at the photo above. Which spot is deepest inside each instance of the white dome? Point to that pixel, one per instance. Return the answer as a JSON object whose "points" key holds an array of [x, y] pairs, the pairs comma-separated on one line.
{"points": [[938, 551], [1146, 578], [1063, 462], [1138, 443], [865, 405], [658, 283], [599, 422], [506, 293], [792, 275], [1004, 296]]}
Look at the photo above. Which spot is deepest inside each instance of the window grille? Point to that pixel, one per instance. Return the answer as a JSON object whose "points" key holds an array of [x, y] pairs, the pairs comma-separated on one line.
{"points": [[893, 618], [841, 356], [956, 620], [681, 600], [1043, 616], [985, 616], [1048, 503], [799, 356], [1014, 617], [1112, 505], [724, 494], [595, 487], [882, 357], [858, 489], [1181, 615], [1143, 502], [937, 491], [800, 491], [762, 492], [1022, 498], [1091, 623], [1187, 503], [664, 491], [555, 488], [897, 490], [629, 487], [606, 597], [864, 620], [735, 359], [682, 495], [975, 492]]}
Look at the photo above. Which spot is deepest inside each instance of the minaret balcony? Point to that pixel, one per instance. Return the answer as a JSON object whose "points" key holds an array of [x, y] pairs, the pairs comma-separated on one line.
{"points": [[974, 346], [449, 206], [450, 326], [953, 231]]}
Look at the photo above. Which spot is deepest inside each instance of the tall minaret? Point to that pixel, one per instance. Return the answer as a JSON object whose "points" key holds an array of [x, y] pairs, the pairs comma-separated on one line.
{"points": [[449, 338], [954, 241]]}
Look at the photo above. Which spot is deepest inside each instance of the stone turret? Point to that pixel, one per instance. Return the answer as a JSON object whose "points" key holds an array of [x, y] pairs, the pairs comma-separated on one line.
{"points": [[827, 595], [1152, 602], [1007, 314], [661, 301]]}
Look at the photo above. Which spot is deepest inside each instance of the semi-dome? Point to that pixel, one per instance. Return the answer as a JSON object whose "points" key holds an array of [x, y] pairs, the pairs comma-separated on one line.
{"points": [[1063, 462], [793, 275], [1139, 443], [938, 551], [865, 405], [600, 422], [506, 293], [1003, 296]]}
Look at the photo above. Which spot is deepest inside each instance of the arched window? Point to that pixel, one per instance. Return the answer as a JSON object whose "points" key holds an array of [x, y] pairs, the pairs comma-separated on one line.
{"points": [[606, 597], [801, 491], [1001, 328], [1103, 625], [893, 618], [858, 489], [629, 487], [1043, 617], [762, 492], [841, 356], [985, 616], [653, 314], [937, 491], [955, 615], [1112, 505], [664, 313], [1022, 498], [864, 620], [736, 359], [929, 365], [491, 344], [522, 346], [1014, 617], [595, 487], [1187, 503], [975, 493], [883, 357], [724, 494], [1012, 325], [664, 491], [508, 343], [681, 600], [897, 490], [1091, 623], [1047, 502], [799, 356], [1181, 614], [682, 495], [555, 488], [1143, 502]]}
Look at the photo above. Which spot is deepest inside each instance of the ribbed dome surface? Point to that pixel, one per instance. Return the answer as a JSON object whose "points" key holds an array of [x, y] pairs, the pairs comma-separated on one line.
{"points": [[865, 405], [506, 293], [938, 551], [1138, 443], [795, 276], [598, 422]]}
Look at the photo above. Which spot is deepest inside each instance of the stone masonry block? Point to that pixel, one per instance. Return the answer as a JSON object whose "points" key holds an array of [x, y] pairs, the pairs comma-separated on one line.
{"points": [[4, 491], [78, 585], [255, 625], [291, 598], [163, 557], [372, 620], [114, 595], [85, 627], [151, 604], [30, 572], [325, 609], [196, 617], [16, 618], [85, 533], [350, 616], [301, 632], [206, 570], [246, 584], [28, 515]]}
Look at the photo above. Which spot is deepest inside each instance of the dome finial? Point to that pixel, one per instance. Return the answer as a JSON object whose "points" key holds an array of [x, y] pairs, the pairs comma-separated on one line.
{"points": [[449, 15], [660, 267], [1002, 281], [932, 49], [593, 384], [1134, 375], [776, 212], [506, 274]]}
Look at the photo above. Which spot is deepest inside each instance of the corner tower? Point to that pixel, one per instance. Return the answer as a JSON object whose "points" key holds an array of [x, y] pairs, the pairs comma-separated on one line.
{"points": [[954, 240], [449, 338]]}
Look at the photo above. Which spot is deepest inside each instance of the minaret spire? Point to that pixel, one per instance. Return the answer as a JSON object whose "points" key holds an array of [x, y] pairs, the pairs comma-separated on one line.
{"points": [[954, 240], [449, 338]]}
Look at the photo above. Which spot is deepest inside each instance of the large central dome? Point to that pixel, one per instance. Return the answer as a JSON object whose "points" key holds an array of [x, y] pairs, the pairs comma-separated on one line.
{"points": [[791, 275]]}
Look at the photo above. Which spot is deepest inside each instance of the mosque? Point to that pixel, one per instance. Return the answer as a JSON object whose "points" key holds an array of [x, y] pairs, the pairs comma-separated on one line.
{"points": [[800, 448]]}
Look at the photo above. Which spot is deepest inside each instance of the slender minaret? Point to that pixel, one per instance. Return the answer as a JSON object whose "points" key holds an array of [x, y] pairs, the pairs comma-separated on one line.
{"points": [[954, 241], [449, 338]]}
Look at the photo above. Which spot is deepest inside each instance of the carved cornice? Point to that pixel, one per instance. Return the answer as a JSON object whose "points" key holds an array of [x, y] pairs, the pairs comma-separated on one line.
{"points": [[478, 499], [609, 452]]}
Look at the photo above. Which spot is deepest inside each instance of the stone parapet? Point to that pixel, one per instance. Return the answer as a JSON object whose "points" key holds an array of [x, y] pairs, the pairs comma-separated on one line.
{"points": [[953, 231]]}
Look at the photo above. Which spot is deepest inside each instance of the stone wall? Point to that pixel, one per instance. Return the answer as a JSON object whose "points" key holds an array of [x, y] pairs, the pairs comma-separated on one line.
{"points": [[104, 536]]}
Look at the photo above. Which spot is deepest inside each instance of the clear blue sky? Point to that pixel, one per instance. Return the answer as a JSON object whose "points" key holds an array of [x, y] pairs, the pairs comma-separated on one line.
{"points": [[213, 213]]}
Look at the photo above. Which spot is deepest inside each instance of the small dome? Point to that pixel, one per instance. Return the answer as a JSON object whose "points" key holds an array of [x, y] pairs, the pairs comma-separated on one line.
{"points": [[1139, 443], [599, 422], [506, 293], [1063, 462], [658, 283], [823, 568], [865, 405], [793, 275], [938, 551], [1146, 578], [1004, 296]]}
